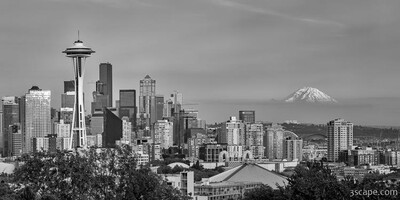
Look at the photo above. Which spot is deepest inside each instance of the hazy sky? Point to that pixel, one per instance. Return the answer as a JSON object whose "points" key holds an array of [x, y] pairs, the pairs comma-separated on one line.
{"points": [[212, 51]]}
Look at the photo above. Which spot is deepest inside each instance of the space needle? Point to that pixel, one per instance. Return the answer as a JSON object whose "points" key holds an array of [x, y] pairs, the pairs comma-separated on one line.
{"points": [[78, 53]]}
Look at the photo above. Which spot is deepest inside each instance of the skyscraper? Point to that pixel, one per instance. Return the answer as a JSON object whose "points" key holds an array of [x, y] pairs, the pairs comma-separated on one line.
{"points": [[275, 141], [10, 117], [68, 97], [247, 116], [69, 86], [163, 133], [147, 101], [293, 149], [14, 140], [340, 137], [127, 106], [1, 129], [159, 107], [67, 102], [254, 139], [37, 116], [102, 97], [232, 132], [105, 74], [112, 129]]}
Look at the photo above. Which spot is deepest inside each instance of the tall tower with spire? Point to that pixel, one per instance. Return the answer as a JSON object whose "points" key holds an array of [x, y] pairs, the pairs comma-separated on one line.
{"points": [[78, 53], [147, 101]]}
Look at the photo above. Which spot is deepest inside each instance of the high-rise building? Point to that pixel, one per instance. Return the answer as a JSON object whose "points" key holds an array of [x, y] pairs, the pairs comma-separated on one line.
{"points": [[112, 129], [254, 139], [176, 98], [15, 140], [163, 133], [105, 74], [37, 116], [274, 142], [40, 144], [195, 142], [340, 137], [97, 123], [232, 132], [159, 107], [67, 101], [187, 120], [168, 109], [69, 86], [102, 97], [127, 106], [126, 131], [10, 116], [147, 101], [173, 104], [293, 149], [61, 129], [247, 116], [1, 129]]}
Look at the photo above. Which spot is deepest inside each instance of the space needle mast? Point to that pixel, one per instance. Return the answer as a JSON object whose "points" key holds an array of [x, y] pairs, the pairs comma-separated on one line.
{"points": [[78, 53]]}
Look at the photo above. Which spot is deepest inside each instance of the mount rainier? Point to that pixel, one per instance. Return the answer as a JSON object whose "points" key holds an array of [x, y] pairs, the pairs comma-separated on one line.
{"points": [[309, 95]]}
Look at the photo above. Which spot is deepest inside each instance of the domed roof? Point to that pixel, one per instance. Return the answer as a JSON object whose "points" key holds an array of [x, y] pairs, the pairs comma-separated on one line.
{"points": [[35, 88], [183, 165], [290, 134]]}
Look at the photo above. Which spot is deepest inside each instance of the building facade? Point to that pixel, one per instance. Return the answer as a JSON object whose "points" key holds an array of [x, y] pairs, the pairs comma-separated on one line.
{"points": [[106, 78], [293, 149], [112, 129], [232, 132], [127, 106], [273, 142], [340, 137], [37, 118], [163, 133], [147, 101], [247, 116], [10, 116], [255, 139], [210, 152]]}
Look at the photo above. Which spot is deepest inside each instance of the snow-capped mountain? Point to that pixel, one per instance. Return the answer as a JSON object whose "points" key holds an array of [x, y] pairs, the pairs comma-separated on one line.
{"points": [[310, 95]]}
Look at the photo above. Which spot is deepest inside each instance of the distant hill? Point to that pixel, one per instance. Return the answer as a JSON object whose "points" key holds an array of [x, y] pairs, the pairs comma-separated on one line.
{"points": [[304, 130]]}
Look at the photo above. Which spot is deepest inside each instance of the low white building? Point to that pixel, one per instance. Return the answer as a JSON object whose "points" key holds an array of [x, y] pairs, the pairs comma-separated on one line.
{"points": [[184, 181]]}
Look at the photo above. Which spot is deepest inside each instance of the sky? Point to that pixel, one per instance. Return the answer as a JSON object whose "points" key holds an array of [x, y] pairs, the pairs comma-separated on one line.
{"points": [[224, 55]]}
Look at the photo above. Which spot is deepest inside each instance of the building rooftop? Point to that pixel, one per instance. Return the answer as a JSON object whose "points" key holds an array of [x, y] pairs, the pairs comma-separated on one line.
{"points": [[250, 173]]}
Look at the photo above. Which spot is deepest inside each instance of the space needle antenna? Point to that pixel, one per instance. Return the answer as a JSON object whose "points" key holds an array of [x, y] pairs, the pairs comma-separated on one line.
{"points": [[78, 53]]}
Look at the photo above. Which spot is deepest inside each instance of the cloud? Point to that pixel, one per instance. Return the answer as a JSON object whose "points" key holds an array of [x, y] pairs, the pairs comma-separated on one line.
{"points": [[245, 7]]}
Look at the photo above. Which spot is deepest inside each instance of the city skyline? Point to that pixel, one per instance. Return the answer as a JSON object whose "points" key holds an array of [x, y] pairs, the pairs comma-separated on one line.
{"points": [[240, 54]]}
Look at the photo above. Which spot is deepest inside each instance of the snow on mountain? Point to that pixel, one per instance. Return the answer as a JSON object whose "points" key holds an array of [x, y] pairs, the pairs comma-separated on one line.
{"points": [[311, 95]]}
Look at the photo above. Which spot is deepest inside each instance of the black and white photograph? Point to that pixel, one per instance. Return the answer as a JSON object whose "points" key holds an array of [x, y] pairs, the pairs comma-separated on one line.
{"points": [[199, 99]]}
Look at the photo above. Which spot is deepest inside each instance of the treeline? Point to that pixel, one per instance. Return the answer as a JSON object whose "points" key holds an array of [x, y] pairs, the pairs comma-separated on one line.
{"points": [[88, 174]]}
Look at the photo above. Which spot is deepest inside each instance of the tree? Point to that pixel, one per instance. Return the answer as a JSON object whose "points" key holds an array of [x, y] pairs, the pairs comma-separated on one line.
{"points": [[91, 174], [315, 182], [263, 192]]}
